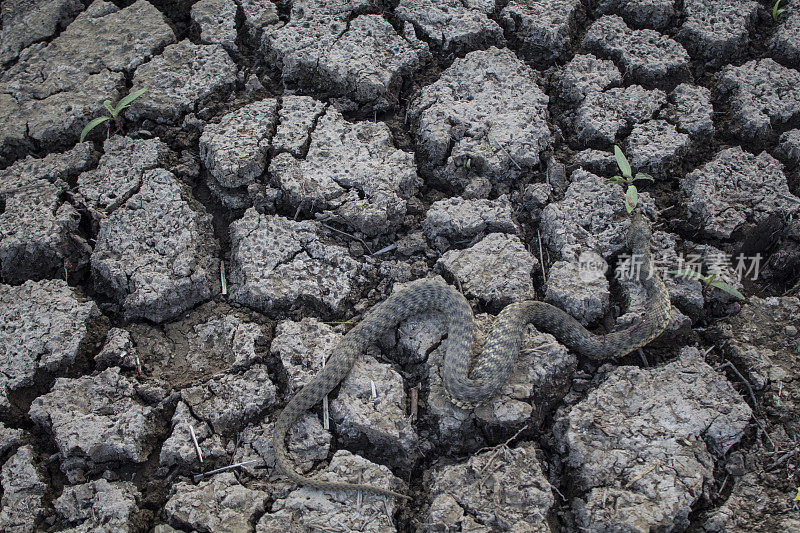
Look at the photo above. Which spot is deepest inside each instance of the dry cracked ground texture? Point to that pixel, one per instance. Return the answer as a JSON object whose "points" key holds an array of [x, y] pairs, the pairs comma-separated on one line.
{"points": [[166, 287]]}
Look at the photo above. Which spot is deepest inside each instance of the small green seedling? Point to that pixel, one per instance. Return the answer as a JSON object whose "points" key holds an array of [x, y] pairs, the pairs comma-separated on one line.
{"points": [[709, 281], [627, 178], [113, 113], [777, 10]]}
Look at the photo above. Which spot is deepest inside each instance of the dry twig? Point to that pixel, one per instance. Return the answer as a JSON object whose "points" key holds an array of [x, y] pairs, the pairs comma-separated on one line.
{"points": [[643, 473]]}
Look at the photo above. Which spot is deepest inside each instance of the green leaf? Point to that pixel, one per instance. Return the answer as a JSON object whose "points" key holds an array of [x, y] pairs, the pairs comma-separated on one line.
{"points": [[643, 176], [125, 102], [777, 11], [631, 198], [107, 103], [727, 288], [622, 162], [91, 125]]}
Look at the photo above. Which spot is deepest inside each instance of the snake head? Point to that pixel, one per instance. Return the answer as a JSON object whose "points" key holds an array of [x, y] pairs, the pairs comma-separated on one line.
{"points": [[639, 230]]}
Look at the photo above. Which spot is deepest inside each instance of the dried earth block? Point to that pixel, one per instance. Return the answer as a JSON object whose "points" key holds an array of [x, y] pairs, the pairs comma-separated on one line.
{"points": [[45, 328], [646, 440], [156, 254]]}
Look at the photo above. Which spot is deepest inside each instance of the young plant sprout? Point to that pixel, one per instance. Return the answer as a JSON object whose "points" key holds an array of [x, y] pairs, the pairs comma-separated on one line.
{"points": [[113, 113], [627, 178], [777, 10], [709, 281]]}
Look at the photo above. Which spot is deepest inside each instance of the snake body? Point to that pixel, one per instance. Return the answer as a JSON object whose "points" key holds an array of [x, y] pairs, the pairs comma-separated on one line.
{"points": [[470, 385]]}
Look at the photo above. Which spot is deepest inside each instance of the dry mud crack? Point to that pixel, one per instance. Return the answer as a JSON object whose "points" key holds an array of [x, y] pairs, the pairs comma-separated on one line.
{"points": [[167, 286]]}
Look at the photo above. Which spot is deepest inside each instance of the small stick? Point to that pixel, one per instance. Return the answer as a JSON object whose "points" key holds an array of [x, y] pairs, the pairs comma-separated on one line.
{"points": [[584, 230], [414, 403], [764, 429], [326, 419], [728, 364], [506, 152], [34, 185], [630, 483], [198, 477], [348, 235], [385, 249], [724, 483], [644, 359], [222, 277], [506, 443], [196, 445], [781, 459], [602, 428], [541, 256], [789, 197], [540, 348], [796, 288], [502, 447]]}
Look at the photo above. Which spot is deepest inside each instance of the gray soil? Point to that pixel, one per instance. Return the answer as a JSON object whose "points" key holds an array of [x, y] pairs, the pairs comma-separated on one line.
{"points": [[168, 284]]}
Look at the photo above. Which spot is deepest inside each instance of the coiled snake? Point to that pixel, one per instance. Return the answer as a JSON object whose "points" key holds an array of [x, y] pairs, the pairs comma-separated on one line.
{"points": [[468, 389]]}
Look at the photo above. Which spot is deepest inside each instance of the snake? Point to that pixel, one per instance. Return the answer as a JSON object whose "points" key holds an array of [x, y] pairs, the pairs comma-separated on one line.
{"points": [[468, 384]]}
